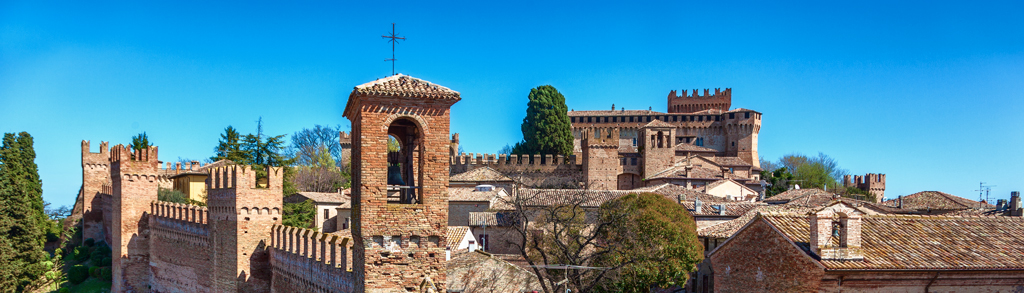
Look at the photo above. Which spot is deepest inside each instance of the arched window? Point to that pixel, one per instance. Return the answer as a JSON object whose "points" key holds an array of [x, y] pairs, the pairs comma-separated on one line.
{"points": [[404, 162]]}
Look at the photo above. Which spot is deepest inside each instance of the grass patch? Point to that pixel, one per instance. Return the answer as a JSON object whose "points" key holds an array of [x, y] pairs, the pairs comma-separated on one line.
{"points": [[91, 285]]}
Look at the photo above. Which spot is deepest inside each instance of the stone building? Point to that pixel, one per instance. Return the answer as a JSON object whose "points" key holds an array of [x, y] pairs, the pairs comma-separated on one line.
{"points": [[397, 238], [329, 207], [843, 248]]}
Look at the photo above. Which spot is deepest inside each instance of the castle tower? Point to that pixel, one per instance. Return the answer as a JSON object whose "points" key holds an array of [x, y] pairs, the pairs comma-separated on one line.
{"points": [[242, 214], [601, 158], [133, 175], [685, 103], [95, 173], [400, 199], [345, 139], [657, 145]]}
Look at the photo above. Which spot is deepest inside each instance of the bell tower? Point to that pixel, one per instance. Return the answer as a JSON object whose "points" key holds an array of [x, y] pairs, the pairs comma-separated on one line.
{"points": [[400, 164]]}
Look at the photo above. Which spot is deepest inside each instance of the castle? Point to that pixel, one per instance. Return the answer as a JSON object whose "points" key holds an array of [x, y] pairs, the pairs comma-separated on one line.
{"points": [[400, 199], [237, 243]]}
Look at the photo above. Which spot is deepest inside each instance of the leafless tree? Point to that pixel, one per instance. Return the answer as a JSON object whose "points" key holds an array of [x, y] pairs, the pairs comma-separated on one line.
{"points": [[317, 178]]}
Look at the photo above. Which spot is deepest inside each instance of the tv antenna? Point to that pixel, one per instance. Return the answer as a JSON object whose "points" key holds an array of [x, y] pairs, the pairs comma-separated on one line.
{"points": [[983, 191], [394, 41]]}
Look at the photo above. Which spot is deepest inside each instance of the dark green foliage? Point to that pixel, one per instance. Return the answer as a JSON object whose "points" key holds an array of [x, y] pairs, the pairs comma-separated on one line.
{"points": [[106, 261], [546, 127], [140, 141], [97, 256], [23, 220], [299, 214], [90, 242], [81, 253], [778, 180], [77, 274], [64, 290], [658, 244], [105, 274], [229, 147], [94, 272], [171, 195]]}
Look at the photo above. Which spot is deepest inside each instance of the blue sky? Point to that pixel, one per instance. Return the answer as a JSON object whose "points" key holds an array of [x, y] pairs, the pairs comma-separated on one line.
{"points": [[930, 93]]}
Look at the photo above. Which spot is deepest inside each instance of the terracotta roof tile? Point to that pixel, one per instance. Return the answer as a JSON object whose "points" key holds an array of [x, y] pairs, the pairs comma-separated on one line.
{"points": [[613, 113], [902, 242], [694, 148], [936, 200], [727, 229], [482, 174], [400, 85], [731, 161], [470, 194], [658, 124], [483, 272], [323, 197], [455, 234]]}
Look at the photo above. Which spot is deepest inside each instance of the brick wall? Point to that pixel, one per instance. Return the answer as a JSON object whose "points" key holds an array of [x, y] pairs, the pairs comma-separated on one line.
{"points": [[758, 259], [95, 174], [242, 215], [689, 103], [397, 246], [305, 260], [134, 188], [181, 252]]}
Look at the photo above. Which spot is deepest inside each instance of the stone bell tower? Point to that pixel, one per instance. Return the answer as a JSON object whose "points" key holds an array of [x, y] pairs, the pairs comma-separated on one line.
{"points": [[400, 196]]}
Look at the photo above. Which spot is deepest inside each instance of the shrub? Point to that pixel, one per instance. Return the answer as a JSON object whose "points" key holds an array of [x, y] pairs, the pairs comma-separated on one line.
{"points": [[106, 274], [94, 271], [106, 261], [81, 253], [77, 274], [103, 247], [64, 290], [90, 242], [96, 257]]}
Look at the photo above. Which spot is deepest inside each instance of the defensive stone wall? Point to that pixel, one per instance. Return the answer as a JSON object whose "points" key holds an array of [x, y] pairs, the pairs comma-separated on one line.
{"points": [[687, 103], [180, 248], [305, 260], [95, 173], [542, 171]]}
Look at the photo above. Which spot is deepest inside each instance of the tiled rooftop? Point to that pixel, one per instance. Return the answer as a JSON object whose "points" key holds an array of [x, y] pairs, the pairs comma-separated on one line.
{"points": [[659, 124], [483, 272], [903, 242], [482, 174], [470, 194], [694, 148], [936, 200], [324, 197], [455, 234], [400, 85], [613, 113], [727, 229], [731, 161]]}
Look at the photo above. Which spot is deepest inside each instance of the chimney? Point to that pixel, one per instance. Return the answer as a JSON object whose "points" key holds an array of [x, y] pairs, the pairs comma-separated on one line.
{"points": [[836, 223], [1015, 205], [899, 203], [696, 206], [721, 209], [613, 107]]}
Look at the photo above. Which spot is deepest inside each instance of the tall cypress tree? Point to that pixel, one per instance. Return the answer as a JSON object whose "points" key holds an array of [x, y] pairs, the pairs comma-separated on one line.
{"points": [[21, 207], [546, 128]]}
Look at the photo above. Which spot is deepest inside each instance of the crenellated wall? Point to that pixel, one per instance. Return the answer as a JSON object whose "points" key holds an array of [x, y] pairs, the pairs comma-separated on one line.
{"points": [[687, 103], [180, 248], [133, 178], [305, 260], [95, 174]]}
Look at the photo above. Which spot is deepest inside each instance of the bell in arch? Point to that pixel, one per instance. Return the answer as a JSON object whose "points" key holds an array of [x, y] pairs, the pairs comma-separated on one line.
{"points": [[395, 175]]}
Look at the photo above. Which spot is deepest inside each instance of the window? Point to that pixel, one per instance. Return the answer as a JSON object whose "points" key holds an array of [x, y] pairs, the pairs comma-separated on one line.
{"points": [[732, 115], [632, 161], [590, 119], [327, 214], [746, 114], [648, 118], [614, 119], [623, 161], [717, 118], [675, 118], [734, 143], [572, 119], [700, 118], [691, 118], [634, 142], [630, 119]]}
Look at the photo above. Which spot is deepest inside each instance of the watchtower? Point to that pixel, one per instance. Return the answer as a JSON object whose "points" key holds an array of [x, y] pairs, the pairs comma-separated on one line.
{"points": [[133, 174], [601, 158], [657, 144], [242, 214], [400, 196], [95, 173]]}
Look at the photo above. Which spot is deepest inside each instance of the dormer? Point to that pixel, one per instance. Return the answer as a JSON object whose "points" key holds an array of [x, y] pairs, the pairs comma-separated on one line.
{"points": [[836, 232]]}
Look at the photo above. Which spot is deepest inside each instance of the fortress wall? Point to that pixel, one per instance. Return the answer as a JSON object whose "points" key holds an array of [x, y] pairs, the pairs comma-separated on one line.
{"points": [[305, 260], [532, 170], [181, 256]]}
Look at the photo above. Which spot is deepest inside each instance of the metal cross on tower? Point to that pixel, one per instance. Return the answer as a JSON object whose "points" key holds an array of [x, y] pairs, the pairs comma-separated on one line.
{"points": [[393, 40]]}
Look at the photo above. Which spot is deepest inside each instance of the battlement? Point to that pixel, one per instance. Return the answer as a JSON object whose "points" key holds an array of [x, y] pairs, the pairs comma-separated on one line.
{"points": [[536, 160], [244, 177], [326, 248], [601, 137], [871, 182], [684, 102], [178, 167], [181, 212], [345, 138], [696, 95], [123, 153], [455, 138], [91, 158]]}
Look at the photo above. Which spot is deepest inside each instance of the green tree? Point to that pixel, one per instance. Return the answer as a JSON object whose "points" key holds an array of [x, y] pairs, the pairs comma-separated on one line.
{"points": [[778, 181], [23, 220], [140, 141], [229, 147], [546, 127], [299, 214], [658, 244], [261, 151]]}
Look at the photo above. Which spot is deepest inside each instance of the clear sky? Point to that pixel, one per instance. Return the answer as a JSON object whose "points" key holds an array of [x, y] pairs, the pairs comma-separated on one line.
{"points": [[930, 93]]}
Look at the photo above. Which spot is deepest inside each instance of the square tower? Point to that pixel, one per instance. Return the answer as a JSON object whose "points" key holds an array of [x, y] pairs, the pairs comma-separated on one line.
{"points": [[399, 193], [133, 174], [657, 146], [242, 214], [95, 174]]}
